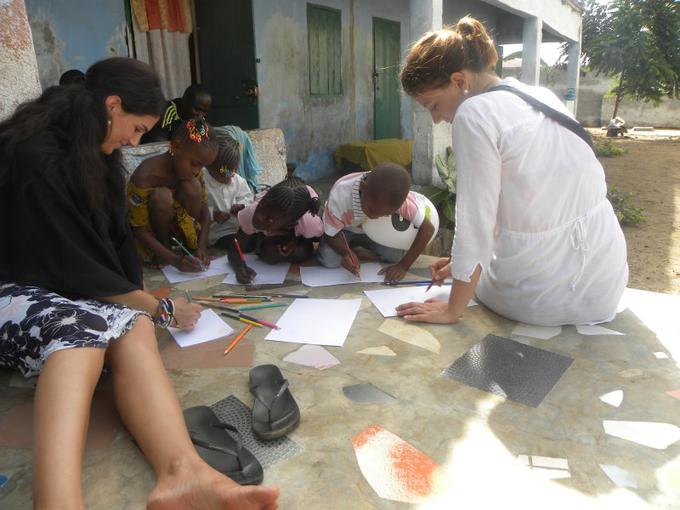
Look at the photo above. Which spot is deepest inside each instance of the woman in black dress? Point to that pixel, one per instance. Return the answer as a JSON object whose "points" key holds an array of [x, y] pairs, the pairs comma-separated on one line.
{"points": [[71, 297]]}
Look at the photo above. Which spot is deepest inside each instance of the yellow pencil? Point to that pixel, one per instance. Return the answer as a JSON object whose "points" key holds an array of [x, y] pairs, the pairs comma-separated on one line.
{"points": [[237, 339]]}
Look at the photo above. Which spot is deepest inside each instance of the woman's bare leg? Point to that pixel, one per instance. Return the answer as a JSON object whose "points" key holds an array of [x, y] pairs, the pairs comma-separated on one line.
{"points": [[63, 399], [148, 406]]}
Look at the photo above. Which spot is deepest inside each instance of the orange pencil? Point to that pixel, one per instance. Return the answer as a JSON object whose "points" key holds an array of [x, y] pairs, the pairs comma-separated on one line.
{"points": [[237, 339]]}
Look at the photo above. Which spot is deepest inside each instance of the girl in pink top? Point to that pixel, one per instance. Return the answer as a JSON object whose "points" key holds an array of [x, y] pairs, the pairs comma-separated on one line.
{"points": [[281, 224]]}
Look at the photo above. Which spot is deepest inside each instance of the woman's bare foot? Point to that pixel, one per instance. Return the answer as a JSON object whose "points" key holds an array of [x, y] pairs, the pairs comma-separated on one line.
{"points": [[203, 488]]}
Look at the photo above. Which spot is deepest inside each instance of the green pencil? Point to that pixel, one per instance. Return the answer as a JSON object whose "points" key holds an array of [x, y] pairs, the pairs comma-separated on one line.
{"points": [[181, 247], [258, 307]]}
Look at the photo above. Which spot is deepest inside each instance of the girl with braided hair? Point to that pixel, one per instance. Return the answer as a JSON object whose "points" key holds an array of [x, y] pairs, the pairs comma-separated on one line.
{"points": [[167, 198], [280, 224]]}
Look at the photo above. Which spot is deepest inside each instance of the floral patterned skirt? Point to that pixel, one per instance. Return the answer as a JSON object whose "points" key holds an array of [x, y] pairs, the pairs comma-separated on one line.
{"points": [[35, 323]]}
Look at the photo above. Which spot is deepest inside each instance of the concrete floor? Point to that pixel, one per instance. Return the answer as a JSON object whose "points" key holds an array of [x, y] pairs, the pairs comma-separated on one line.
{"points": [[476, 436]]}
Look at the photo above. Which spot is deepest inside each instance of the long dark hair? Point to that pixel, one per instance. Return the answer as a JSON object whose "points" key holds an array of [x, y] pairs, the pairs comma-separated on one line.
{"points": [[76, 115]]}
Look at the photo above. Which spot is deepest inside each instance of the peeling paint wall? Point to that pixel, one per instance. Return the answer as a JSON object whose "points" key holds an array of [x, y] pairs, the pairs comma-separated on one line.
{"points": [[72, 34], [315, 126], [18, 67]]}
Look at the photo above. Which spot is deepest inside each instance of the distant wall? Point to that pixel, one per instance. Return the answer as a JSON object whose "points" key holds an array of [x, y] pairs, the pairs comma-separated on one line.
{"points": [[72, 34], [639, 113], [315, 126], [18, 67]]}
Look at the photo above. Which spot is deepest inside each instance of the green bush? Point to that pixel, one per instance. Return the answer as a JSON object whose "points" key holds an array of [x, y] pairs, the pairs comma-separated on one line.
{"points": [[625, 213], [606, 148]]}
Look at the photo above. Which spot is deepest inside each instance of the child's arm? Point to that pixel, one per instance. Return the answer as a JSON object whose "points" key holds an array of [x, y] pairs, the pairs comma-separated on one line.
{"points": [[350, 261], [164, 255], [244, 274], [202, 252], [397, 271]]}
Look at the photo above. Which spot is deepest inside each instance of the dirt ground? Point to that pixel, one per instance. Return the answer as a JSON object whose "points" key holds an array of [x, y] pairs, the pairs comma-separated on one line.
{"points": [[650, 169]]}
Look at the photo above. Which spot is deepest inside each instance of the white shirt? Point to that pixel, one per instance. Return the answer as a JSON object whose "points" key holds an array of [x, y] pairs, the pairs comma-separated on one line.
{"points": [[222, 197], [531, 210]]}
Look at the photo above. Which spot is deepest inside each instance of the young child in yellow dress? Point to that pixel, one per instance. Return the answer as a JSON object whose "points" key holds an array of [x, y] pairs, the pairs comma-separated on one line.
{"points": [[166, 198]]}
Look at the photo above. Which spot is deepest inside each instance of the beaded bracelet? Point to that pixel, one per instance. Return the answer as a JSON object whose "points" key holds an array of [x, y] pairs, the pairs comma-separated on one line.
{"points": [[165, 313]]}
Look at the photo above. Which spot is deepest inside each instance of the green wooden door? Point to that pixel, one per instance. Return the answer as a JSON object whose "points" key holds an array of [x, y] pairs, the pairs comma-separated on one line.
{"points": [[386, 59], [226, 55]]}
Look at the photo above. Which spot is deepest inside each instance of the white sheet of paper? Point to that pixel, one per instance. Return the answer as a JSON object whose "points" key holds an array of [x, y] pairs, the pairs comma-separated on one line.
{"points": [[317, 276], [596, 330], [540, 332], [619, 476], [647, 433], [387, 300], [613, 398], [312, 356], [316, 321], [267, 274], [217, 267], [209, 327], [660, 355]]}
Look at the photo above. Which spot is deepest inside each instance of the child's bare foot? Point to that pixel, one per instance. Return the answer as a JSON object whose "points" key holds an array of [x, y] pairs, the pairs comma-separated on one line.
{"points": [[206, 489]]}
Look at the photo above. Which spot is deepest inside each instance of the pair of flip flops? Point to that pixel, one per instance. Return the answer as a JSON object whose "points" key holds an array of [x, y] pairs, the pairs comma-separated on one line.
{"points": [[275, 414]]}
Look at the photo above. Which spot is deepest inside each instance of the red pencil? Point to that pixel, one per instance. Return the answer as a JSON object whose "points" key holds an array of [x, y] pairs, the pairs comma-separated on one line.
{"points": [[240, 251]]}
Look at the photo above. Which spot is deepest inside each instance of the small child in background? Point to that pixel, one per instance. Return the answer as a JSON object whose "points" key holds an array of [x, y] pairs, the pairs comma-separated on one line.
{"points": [[360, 196], [227, 191], [166, 198], [281, 224]]}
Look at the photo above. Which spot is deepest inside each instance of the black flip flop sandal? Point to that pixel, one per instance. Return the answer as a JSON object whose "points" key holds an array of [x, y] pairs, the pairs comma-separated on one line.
{"points": [[219, 449], [275, 412]]}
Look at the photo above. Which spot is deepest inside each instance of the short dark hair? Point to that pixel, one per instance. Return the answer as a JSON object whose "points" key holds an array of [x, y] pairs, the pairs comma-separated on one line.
{"points": [[72, 77], [389, 183], [193, 92]]}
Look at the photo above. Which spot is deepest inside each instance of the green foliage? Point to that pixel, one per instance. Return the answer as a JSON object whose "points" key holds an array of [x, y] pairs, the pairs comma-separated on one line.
{"points": [[444, 199], [447, 169], [636, 41], [625, 213], [606, 148]]}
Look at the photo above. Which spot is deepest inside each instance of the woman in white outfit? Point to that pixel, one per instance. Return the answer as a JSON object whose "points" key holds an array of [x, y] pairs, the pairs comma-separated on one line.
{"points": [[536, 239]]}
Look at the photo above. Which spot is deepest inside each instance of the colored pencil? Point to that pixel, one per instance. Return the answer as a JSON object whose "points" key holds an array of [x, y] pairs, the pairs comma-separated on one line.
{"points": [[358, 273], [237, 339], [264, 305], [259, 321], [219, 306], [239, 318], [412, 282], [240, 251], [181, 247], [288, 296]]}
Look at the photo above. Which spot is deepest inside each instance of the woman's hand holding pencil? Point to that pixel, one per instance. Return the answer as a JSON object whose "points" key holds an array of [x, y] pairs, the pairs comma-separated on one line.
{"points": [[440, 270]]}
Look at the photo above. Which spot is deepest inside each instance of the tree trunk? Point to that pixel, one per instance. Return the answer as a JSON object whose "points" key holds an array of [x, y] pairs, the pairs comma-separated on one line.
{"points": [[619, 96]]}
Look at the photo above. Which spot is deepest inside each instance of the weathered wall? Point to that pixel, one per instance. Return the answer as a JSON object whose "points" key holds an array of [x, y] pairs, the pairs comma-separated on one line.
{"points": [[560, 16], [18, 67], [640, 113], [315, 126], [72, 34]]}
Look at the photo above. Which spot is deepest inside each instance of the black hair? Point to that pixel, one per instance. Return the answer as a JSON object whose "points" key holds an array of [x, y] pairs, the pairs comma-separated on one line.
{"points": [[76, 116], [72, 77], [196, 131], [228, 152], [291, 198], [389, 183], [193, 92]]}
